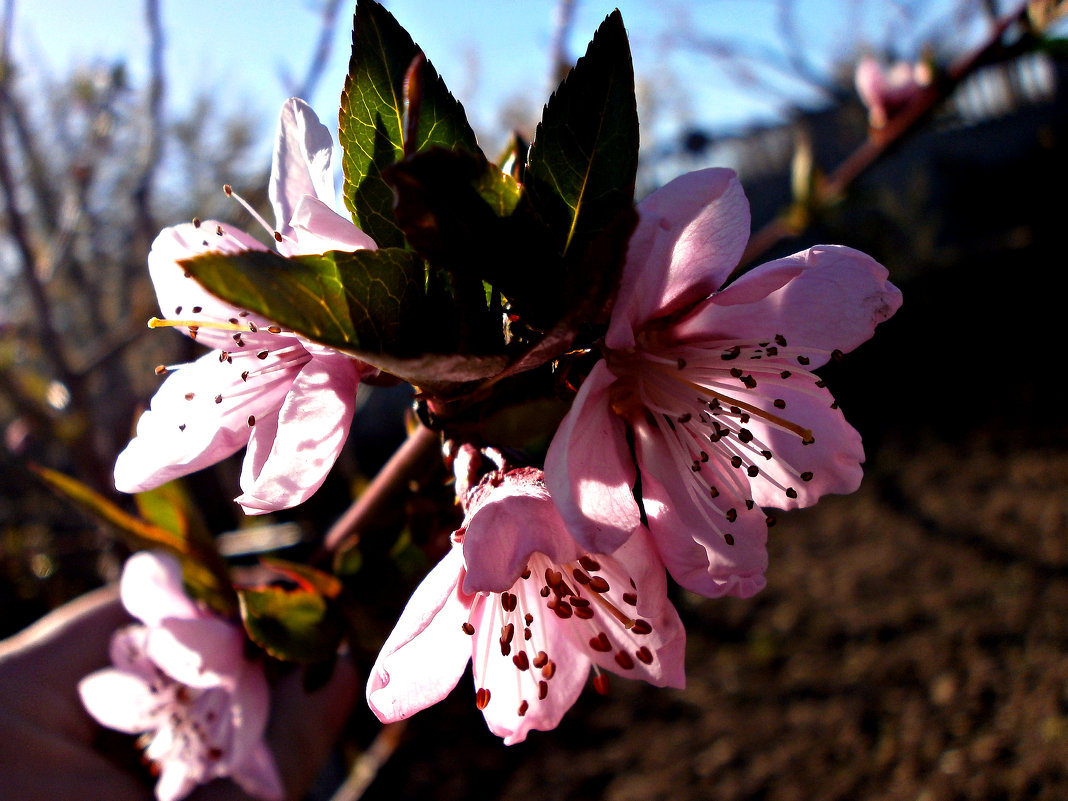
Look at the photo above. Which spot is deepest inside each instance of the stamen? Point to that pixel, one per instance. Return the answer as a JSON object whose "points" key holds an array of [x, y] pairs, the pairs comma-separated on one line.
{"points": [[156, 322], [230, 193]]}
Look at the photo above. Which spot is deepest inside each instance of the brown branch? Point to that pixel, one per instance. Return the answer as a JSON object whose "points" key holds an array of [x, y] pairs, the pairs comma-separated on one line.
{"points": [[421, 444], [921, 106], [327, 24]]}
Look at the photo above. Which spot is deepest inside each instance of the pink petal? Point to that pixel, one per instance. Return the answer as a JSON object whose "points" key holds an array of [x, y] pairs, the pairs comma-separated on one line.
{"points": [[286, 464], [301, 164], [180, 296], [589, 469], [152, 591], [127, 650], [317, 228], [250, 706], [258, 776], [185, 429], [198, 653], [690, 531], [825, 298], [515, 520], [121, 701], [637, 561], [833, 459], [177, 779], [508, 687], [690, 236], [428, 633]]}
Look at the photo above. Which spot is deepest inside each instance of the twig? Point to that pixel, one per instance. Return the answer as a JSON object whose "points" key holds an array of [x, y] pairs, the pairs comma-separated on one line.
{"points": [[370, 762], [559, 60], [880, 142], [322, 50], [421, 444]]}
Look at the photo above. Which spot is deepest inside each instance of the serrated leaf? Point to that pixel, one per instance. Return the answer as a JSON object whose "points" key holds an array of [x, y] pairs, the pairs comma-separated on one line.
{"points": [[373, 119], [203, 568], [383, 306], [468, 218], [291, 625], [583, 160]]}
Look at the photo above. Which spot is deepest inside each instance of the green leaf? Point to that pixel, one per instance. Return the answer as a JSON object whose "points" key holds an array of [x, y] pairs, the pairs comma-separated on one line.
{"points": [[584, 158], [292, 625], [375, 118], [383, 306], [171, 507], [468, 218]]}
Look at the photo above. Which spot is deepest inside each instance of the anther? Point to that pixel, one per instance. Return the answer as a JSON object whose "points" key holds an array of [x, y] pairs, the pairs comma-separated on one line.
{"points": [[468, 629], [599, 584], [251, 420], [641, 627], [482, 698], [601, 643]]}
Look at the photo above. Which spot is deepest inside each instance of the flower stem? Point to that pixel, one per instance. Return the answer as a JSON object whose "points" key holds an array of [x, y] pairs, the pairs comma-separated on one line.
{"points": [[422, 443]]}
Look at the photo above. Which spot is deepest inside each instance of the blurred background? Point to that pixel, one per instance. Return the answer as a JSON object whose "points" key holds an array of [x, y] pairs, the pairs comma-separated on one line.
{"points": [[912, 642]]}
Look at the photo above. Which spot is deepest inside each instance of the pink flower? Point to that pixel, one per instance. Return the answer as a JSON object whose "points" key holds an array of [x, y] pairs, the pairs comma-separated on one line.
{"points": [[885, 92], [705, 400], [533, 612], [180, 678], [290, 401]]}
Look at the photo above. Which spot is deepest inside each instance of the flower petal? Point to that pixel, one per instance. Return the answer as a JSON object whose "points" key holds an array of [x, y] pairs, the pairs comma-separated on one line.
{"points": [[505, 525], [317, 228], [257, 774], [691, 533], [690, 236], [250, 706], [208, 652], [653, 653], [152, 591], [428, 633], [589, 469], [199, 416], [121, 701], [286, 465], [825, 298], [831, 463], [177, 779], [508, 687], [180, 296], [301, 164]]}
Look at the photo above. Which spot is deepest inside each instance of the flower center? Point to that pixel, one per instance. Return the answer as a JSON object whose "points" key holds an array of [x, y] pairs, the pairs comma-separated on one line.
{"points": [[704, 402], [592, 599]]}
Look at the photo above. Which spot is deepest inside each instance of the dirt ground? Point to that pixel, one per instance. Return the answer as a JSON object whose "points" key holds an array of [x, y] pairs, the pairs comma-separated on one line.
{"points": [[912, 643]]}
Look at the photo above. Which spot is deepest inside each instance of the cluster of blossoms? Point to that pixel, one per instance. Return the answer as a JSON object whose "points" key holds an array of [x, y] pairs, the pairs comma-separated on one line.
{"points": [[702, 411], [181, 679]]}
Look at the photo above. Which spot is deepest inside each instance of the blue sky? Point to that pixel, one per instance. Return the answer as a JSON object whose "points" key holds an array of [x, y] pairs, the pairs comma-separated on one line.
{"points": [[489, 53]]}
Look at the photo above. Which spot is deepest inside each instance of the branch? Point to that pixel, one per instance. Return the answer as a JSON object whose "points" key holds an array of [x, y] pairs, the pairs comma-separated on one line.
{"points": [[322, 51], [408, 458], [921, 106]]}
